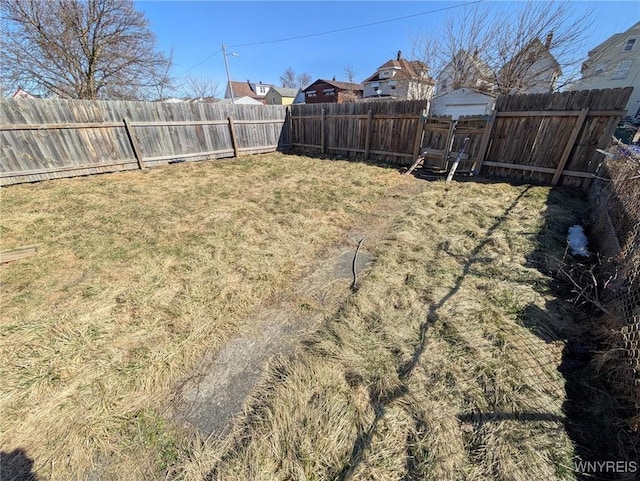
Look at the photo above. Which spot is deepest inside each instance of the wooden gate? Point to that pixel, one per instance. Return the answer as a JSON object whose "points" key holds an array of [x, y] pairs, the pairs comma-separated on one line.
{"points": [[443, 138]]}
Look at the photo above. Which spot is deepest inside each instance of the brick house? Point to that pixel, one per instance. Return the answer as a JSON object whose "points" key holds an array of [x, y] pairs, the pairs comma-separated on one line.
{"points": [[331, 91]]}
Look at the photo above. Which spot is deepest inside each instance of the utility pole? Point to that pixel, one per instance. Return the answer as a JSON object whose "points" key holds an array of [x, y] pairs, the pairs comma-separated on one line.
{"points": [[226, 66]]}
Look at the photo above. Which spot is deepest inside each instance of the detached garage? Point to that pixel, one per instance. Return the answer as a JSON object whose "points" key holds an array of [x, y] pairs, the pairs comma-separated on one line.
{"points": [[462, 102]]}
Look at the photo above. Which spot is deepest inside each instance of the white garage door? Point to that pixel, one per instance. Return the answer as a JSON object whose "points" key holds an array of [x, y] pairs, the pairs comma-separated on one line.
{"points": [[468, 109]]}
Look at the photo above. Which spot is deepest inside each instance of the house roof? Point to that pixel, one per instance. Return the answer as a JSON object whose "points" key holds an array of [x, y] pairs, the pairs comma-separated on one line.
{"points": [[537, 48], [242, 89], [21, 93], [474, 61], [244, 100], [407, 69], [286, 92], [245, 89], [338, 85], [614, 39]]}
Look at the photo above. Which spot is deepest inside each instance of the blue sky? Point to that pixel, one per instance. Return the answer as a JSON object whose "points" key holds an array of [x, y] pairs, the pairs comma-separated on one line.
{"points": [[197, 29]]}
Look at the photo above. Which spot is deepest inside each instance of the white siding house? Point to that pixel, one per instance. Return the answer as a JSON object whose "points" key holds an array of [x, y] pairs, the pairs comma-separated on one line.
{"points": [[533, 70], [464, 71], [615, 63], [400, 79]]}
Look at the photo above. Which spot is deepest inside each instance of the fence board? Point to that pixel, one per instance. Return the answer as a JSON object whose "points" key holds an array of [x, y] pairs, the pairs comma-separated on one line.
{"points": [[378, 131], [52, 138], [552, 135]]}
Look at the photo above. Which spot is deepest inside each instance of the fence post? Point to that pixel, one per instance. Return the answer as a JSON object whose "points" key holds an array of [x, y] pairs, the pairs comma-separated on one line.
{"points": [[234, 141], [577, 127], [367, 141], [322, 129], [137, 152], [290, 127], [448, 143], [484, 144], [418, 140]]}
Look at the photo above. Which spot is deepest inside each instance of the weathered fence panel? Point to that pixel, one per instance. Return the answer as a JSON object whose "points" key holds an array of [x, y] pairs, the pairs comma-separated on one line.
{"points": [[443, 139], [436, 141], [541, 138], [52, 138], [379, 131], [552, 138]]}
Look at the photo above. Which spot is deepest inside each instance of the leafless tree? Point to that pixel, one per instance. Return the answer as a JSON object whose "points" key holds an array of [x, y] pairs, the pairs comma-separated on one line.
{"points": [[519, 57], [302, 80], [350, 74], [201, 86], [505, 49], [88, 49], [289, 79]]}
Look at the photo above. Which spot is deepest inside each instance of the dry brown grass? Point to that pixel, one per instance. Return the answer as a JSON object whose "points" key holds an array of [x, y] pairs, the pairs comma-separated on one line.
{"points": [[443, 366], [137, 274]]}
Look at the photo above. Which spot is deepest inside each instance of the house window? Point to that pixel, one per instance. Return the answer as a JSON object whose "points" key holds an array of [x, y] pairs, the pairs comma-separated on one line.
{"points": [[311, 93], [629, 44], [622, 70], [329, 92]]}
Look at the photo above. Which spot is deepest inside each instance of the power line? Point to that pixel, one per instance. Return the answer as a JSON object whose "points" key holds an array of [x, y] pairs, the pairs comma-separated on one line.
{"points": [[202, 61], [328, 32]]}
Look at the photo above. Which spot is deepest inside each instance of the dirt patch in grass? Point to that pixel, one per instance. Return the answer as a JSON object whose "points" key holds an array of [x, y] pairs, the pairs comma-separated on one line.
{"points": [[225, 377], [137, 276], [444, 365], [434, 369]]}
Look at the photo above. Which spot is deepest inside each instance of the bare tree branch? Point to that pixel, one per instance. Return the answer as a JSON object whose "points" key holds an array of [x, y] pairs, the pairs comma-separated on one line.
{"points": [[516, 48], [201, 86], [87, 49], [302, 80], [290, 80]]}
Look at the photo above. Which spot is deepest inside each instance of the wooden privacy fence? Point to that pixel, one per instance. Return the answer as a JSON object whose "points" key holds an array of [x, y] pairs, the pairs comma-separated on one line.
{"points": [[543, 138], [552, 138], [443, 138], [46, 139], [378, 131]]}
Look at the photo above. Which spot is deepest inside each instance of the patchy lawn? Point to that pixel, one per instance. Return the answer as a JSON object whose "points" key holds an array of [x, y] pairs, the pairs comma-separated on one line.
{"points": [[439, 367], [136, 275], [444, 365]]}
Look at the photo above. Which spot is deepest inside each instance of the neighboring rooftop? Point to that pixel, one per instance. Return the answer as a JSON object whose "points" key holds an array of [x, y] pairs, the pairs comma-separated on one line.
{"points": [[286, 91]]}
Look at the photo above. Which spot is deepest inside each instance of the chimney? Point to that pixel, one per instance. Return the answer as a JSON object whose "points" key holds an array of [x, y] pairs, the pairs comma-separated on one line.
{"points": [[334, 78], [547, 42], [399, 54]]}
